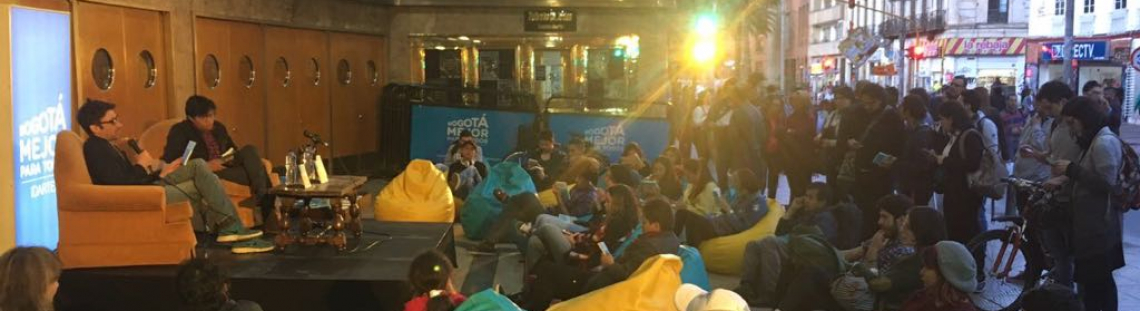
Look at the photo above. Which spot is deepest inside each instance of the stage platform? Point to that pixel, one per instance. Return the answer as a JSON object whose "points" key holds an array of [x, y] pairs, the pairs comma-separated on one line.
{"points": [[368, 276]]}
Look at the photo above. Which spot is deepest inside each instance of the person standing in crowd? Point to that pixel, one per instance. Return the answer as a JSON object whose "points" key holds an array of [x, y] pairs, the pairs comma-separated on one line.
{"points": [[952, 91], [747, 134], [998, 98], [922, 228], [961, 156], [914, 168], [947, 279], [829, 137], [243, 167], [1115, 98], [875, 151], [698, 129], [453, 150], [747, 209], [764, 258], [981, 120], [892, 98], [666, 178], [775, 116], [29, 279], [109, 165], [1034, 136], [1060, 146], [1093, 90], [1027, 99], [432, 286], [552, 160], [1096, 219], [797, 147], [723, 150], [202, 285], [852, 127], [1013, 123]]}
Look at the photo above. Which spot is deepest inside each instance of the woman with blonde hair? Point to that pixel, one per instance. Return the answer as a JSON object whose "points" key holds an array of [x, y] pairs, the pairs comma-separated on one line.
{"points": [[29, 278]]}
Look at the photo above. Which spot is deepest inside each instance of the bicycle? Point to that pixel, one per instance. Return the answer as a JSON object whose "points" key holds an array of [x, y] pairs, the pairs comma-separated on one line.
{"points": [[1006, 277]]}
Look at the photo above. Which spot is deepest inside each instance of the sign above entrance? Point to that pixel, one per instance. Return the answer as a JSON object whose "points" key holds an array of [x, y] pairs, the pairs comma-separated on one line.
{"points": [[1082, 50], [1136, 59], [552, 20], [984, 46]]}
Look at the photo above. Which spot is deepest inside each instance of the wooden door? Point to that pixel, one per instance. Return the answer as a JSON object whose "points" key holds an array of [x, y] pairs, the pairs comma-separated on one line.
{"points": [[355, 92], [239, 93], [297, 93]]}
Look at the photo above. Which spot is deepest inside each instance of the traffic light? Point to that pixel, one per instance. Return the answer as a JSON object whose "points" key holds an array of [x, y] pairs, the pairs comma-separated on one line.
{"points": [[703, 39], [915, 52]]}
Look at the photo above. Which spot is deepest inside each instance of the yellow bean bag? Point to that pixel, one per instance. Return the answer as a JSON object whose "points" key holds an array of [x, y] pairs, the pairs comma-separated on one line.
{"points": [[724, 254], [419, 194], [650, 288]]}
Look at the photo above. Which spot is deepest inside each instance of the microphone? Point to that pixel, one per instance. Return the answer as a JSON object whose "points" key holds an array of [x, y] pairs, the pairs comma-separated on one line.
{"points": [[316, 138], [134, 144]]}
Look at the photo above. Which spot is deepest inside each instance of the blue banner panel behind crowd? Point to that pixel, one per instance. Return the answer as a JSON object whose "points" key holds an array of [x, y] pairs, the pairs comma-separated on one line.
{"points": [[434, 128], [610, 134], [41, 107]]}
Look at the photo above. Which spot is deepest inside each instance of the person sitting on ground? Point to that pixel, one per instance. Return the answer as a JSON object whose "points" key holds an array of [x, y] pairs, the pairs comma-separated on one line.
{"points": [[622, 175], [885, 248], [109, 165], [763, 258], [1051, 297], [432, 287], [633, 158], [923, 228], [244, 166], [204, 286], [453, 154], [657, 238], [564, 263], [520, 208], [29, 279], [702, 196], [466, 173], [948, 276], [747, 209], [552, 161], [666, 179]]}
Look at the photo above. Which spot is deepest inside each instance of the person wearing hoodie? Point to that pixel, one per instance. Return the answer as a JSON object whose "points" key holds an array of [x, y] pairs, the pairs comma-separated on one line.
{"points": [[948, 276]]}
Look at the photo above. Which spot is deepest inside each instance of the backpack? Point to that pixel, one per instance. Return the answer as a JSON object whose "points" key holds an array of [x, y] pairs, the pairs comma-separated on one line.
{"points": [[1128, 194], [988, 179], [999, 124]]}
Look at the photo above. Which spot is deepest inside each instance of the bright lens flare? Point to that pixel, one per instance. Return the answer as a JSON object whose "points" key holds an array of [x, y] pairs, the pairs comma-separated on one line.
{"points": [[706, 25], [704, 51]]}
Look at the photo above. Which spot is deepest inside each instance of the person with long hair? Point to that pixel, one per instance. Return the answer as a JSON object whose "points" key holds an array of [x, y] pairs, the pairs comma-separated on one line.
{"points": [[204, 286], [666, 179], [961, 156], [633, 158], [797, 146], [1097, 241], [747, 209], [702, 196], [947, 278], [431, 281], [914, 169], [29, 279], [558, 245]]}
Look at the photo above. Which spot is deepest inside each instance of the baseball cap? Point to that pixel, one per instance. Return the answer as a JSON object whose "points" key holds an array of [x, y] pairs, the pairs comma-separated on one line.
{"points": [[692, 298]]}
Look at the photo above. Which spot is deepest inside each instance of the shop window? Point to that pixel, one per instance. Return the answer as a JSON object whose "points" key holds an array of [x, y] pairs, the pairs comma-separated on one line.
{"points": [[211, 72], [343, 72], [999, 11], [1059, 7], [103, 69], [246, 73], [150, 71], [1090, 6], [281, 72]]}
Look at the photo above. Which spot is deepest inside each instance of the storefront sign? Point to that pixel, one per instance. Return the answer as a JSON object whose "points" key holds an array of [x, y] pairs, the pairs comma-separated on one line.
{"points": [[553, 20], [435, 128], [983, 46], [610, 134], [1136, 59], [41, 108], [1084, 50], [884, 70]]}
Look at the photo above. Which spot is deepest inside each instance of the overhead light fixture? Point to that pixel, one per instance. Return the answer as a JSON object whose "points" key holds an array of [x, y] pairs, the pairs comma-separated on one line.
{"points": [[477, 41], [440, 47], [464, 38], [451, 39]]}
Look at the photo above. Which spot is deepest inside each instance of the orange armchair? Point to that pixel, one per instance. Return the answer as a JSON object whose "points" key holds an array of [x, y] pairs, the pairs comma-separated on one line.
{"points": [[113, 226], [153, 139]]}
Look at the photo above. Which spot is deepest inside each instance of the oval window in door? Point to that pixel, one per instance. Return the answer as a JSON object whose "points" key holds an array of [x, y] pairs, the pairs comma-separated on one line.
{"points": [[150, 70], [316, 70], [344, 72], [246, 72], [103, 69], [281, 71], [373, 73], [211, 72]]}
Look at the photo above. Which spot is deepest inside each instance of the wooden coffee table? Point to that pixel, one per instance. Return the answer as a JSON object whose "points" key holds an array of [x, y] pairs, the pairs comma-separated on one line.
{"points": [[311, 226]]}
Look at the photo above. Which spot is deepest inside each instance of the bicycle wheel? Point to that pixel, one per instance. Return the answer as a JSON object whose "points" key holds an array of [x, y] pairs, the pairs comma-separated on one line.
{"points": [[1000, 289]]}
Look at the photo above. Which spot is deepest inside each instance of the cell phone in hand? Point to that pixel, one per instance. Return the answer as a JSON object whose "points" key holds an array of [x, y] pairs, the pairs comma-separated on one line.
{"points": [[604, 248]]}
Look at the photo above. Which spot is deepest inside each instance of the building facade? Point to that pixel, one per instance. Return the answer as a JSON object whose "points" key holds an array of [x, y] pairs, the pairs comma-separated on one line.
{"points": [[828, 22]]}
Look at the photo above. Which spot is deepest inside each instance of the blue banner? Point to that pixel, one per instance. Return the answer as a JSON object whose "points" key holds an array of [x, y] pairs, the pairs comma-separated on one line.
{"points": [[41, 107], [434, 128], [1082, 50], [610, 134]]}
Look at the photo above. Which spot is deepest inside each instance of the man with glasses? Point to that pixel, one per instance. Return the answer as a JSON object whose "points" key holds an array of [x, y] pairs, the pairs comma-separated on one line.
{"points": [[109, 165]]}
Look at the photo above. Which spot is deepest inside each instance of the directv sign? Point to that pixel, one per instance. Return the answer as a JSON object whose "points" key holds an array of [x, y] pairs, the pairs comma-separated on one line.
{"points": [[1085, 50]]}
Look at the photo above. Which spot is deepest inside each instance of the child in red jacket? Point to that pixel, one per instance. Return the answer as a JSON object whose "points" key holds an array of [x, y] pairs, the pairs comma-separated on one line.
{"points": [[430, 277]]}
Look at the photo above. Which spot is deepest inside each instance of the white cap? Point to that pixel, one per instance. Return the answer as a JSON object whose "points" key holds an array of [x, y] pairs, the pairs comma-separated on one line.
{"points": [[692, 298]]}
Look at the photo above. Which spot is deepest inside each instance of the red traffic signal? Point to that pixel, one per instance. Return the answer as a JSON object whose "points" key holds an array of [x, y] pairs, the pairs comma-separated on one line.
{"points": [[915, 52]]}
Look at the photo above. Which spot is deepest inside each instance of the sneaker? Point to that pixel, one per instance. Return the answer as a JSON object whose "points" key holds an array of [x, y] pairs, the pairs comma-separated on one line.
{"points": [[237, 234], [484, 248], [252, 246]]}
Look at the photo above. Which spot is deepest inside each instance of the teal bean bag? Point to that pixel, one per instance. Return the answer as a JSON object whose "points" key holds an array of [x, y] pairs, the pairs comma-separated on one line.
{"points": [[693, 272], [482, 208], [488, 300]]}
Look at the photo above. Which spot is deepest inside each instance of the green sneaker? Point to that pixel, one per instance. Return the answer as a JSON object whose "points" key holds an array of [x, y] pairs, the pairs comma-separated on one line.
{"points": [[252, 246], [236, 234]]}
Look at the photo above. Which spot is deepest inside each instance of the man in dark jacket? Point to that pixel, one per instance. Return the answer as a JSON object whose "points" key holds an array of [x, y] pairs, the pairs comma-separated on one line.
{"points": [[657, 238], [884, 135], [214, 145], [109, 165], [747, 134]]}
